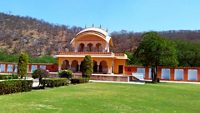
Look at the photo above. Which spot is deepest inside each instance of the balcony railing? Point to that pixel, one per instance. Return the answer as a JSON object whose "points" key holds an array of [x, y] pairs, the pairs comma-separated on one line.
{"points": [[86, 53], [119, 54]]}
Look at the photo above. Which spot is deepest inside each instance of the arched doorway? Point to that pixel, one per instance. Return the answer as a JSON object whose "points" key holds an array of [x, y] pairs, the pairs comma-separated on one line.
{"points": [[94, 66], [103, 67], [81, 47], [65, 65], [74, 66], [81, 66]]}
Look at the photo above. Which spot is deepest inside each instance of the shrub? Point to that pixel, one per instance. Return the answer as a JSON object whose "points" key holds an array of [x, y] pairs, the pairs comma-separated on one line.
{"points": [[13, 86], [87, 66], [40, 73], [22, 65], [66, 74], [5, 77], [79, 80], [55, 82]]}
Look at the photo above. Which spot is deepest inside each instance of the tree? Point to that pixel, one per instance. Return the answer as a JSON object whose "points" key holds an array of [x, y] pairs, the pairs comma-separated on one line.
{"points": [[155, 51], [40, 73], [22, 65], [132, 60], [188, 53], [87, 67]]}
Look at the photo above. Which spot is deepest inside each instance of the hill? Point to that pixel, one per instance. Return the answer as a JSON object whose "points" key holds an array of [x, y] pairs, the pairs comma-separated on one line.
{"points": [[34, 36], [39, 38]]}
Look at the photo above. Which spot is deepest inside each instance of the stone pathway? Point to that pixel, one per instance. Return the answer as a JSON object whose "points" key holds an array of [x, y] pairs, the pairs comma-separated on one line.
{"points": [[100, 81]]}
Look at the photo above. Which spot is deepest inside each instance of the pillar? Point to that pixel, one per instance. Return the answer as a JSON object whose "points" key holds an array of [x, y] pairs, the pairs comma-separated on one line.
{"points": [[185, 74], [79, 66], [146, 73], [198, 74], [70, 65], [172, 73], [6, 67], [110, 70], [98, 64], [159, 72]]}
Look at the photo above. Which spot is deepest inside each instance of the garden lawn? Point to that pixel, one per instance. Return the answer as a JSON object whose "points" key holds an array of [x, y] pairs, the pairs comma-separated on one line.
{"points": [[106, 98]]}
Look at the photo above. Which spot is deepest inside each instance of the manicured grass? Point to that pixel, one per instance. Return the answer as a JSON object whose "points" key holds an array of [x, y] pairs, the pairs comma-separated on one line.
{"points": [[106, 98]]}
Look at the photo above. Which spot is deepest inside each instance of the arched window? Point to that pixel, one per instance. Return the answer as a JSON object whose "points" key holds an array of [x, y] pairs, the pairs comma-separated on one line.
{"points": [[90, 47], [81, 47], [98, 47]]}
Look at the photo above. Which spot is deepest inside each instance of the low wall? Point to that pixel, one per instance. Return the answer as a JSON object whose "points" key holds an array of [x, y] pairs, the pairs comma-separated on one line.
{"points": [[107, 77], [189, 74], [110, 78]]}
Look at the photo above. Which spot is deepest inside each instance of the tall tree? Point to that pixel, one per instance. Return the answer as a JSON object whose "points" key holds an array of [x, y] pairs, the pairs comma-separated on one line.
{"points": [[188, 53], [155, 51], [87, 66], [22, 65]]}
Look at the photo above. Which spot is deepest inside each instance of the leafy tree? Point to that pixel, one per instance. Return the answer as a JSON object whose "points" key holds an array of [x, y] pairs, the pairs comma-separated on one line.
{"points": [[22, 65], [188, 53], [155, 51], [87, 66], [132, 60], [40, 73]]}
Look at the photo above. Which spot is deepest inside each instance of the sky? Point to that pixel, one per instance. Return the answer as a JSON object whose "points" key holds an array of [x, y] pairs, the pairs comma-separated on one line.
{"points": [[114, 15]]}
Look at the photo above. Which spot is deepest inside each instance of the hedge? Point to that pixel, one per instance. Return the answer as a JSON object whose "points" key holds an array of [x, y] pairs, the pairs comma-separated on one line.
{"points": [[55, 82], [5, 77], [13, 86], [79, 80]]}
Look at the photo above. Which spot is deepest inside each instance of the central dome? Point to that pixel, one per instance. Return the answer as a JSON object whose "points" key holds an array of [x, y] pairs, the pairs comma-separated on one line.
{"points": [[94, 29]]}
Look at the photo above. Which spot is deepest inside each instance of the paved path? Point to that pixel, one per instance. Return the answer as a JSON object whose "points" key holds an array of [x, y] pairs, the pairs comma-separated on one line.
{"points": [[180, 82], [100, 81]]}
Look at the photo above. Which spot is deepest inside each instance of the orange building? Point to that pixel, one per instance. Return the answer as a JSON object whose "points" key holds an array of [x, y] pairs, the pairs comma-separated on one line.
{"points": [[96, 43]]}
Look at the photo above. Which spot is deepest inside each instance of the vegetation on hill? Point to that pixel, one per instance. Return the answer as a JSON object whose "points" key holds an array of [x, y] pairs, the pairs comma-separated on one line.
{"points": [[39, 38], [35, 37], [6, 57]]}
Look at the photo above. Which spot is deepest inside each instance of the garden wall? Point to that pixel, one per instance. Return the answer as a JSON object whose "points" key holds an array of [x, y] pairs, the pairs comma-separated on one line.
{"points": [[8, 67], [191, 74], [107, 77]]}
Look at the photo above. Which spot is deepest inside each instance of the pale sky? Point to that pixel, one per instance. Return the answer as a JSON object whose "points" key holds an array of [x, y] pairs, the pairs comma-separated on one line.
{"points": [[115, 15]]}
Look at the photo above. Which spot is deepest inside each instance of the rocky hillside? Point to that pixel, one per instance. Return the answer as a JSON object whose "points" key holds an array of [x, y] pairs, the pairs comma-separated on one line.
{"points": [[38, 37]]}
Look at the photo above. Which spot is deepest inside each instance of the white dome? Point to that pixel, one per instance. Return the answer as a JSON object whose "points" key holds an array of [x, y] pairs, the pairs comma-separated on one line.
{"points": [[94, 29], [105, 36]]}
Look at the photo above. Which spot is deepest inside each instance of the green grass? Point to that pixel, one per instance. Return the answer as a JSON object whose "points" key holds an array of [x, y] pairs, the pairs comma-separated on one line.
{"points": [[106, 98]]}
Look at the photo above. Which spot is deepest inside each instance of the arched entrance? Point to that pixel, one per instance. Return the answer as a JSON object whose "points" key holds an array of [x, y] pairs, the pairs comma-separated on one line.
{"points": [[103, 67], [81, 66], [74, 66], [94, 66], [65, 65]]}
